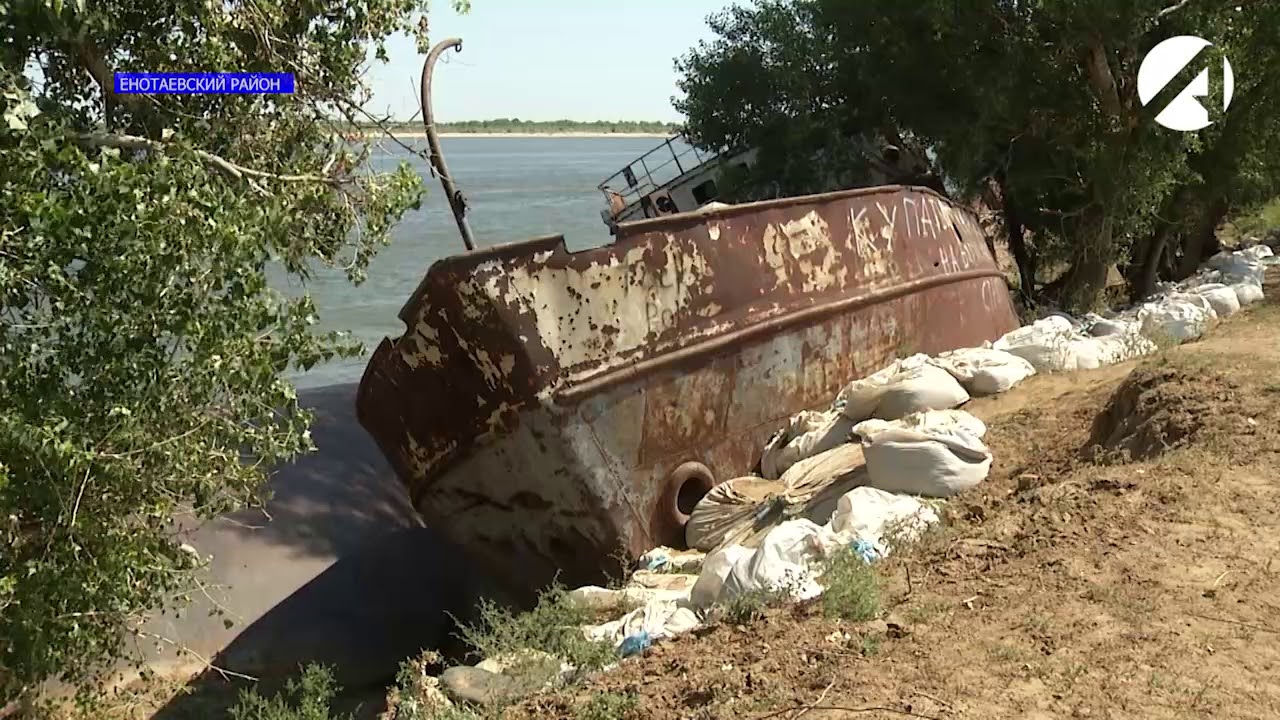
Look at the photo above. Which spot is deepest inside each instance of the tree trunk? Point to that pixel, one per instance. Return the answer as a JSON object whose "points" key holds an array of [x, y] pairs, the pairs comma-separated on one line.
{"points": [[1201, 240], [1086, 279], [1143, 271], [1015, 235]]}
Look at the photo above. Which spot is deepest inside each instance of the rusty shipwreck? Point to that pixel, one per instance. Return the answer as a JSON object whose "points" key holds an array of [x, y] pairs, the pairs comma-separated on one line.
{"points": [[548, 408]]}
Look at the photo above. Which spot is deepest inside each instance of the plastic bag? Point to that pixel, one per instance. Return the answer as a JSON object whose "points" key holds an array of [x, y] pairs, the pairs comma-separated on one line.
{"points": [[937, 464], [985, 371]]}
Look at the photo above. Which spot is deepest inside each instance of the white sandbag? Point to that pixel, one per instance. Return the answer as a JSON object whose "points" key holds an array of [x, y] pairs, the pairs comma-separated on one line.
{"points": [[659, 619], [804, 422], [985, 371], [806, 477], [858, 400], [927, 387], [783, 563], [663, 558], [926, 422], [1073, 321], [725, 507], [739, 509], [832, 431], [644, 587], [1247, 293], [1098, 326], [868, 514], [661, 585], [934, 464], [1092, 353], [1222, 299], [1239, 264], [1043, 343], [1196, 299], [1204, 276], [1176, 320], [706, 591], [1257, 252]]}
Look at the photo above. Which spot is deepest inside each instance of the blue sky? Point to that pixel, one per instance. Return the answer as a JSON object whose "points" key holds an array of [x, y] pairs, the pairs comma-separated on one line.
{"points": [[548, 59]]}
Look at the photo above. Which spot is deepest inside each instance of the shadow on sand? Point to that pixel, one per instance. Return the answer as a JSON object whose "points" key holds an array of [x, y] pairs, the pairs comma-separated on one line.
{"points": [[337, 570]]}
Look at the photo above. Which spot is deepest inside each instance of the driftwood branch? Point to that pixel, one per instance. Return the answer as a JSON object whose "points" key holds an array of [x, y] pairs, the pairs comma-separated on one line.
{"points": [[1172, 8], [133, 142]]}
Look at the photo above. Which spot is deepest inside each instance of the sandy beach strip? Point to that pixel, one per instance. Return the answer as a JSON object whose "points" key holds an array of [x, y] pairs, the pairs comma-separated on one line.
{"points": [[569, 134]]}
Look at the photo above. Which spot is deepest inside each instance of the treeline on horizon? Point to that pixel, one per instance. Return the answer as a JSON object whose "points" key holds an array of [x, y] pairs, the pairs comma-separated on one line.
{"points": [[516, 125]]}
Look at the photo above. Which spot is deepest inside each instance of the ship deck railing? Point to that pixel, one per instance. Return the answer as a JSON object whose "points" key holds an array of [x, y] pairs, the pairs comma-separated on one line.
{"points": [[657, 168]]}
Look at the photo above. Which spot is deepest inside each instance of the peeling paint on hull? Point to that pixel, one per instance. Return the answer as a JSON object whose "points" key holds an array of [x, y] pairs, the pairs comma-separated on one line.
{"points": [[539, 400]]}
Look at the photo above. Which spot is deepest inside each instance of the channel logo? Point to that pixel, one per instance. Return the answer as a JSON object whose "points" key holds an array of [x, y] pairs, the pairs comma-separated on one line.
{"points": [[1162, 64]]}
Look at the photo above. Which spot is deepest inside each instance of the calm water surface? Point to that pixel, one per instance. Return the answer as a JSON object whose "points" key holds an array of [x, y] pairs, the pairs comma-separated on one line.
{"points": [[519, 188]]}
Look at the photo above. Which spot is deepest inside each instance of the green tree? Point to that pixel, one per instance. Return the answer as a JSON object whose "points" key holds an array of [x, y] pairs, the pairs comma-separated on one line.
{"points": [[1033, 105], [141, 348]]}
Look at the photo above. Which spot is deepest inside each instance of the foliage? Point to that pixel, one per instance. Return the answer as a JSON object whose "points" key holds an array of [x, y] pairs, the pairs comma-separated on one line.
{"points": [[607, 706], [553, 626], [305, 698], [1031, 107], [1258, 221], [141, 348], [852, 591]]}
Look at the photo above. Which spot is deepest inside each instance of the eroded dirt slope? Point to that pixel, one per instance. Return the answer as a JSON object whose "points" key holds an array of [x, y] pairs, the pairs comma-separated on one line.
{"points": [[1120, 562]]}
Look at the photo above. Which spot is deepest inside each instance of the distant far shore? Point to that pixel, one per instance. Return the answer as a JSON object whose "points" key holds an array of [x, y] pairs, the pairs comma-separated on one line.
{"points": [[567, 133]]}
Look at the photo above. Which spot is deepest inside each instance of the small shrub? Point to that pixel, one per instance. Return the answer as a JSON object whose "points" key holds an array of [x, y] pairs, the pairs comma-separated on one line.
{"points": [[607, 706], [746, 608], [305, 698], [852, 592], [870, 645], [553, 627]]}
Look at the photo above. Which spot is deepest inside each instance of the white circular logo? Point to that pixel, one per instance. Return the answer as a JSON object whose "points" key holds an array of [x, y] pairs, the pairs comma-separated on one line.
{"points": [[1162, 64]]}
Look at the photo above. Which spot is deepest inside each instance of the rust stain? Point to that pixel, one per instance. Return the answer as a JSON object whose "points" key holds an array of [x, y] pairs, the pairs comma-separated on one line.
{"points": [[691, 337]]}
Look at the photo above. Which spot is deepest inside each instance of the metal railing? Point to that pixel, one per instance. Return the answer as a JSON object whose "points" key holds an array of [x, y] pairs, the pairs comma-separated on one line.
{"points": [[655, 169]]}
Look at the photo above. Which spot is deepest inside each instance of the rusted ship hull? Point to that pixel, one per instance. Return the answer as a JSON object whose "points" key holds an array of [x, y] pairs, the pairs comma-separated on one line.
{"points": [[549, 409]]}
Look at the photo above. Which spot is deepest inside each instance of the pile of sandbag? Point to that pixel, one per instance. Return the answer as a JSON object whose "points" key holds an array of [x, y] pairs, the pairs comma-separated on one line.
{"points": [[1055, 344], [855, 475]]}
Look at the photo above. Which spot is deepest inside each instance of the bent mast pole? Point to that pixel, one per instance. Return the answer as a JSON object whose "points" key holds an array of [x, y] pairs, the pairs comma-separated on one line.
{"points": [[457, 201]]}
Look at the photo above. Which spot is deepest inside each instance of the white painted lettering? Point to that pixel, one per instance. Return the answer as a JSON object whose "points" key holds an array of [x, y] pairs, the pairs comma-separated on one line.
{"points": [[907, 206]]}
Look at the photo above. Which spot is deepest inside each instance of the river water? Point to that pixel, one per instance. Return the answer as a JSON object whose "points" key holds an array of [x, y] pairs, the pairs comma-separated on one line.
{"points": [[519, 188]]}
